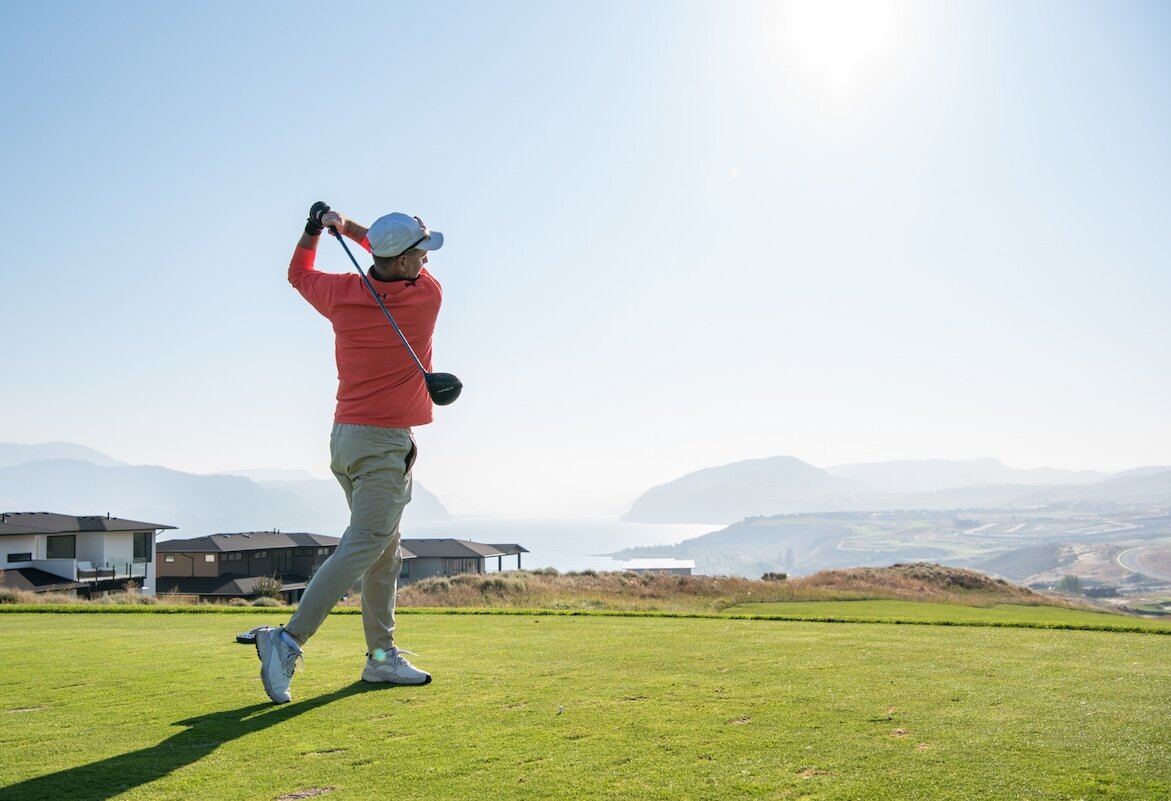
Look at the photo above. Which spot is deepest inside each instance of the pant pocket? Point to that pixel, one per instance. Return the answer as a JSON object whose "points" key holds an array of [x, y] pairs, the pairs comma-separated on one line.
{"points": [[411, 454]]}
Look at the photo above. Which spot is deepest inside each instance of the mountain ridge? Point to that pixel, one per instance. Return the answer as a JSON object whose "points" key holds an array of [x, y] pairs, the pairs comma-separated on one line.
{"points": [[786, 485], [195, 504]]}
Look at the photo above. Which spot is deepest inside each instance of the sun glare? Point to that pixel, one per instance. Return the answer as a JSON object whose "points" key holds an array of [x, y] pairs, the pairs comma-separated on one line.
{"points": [[843, 42]]}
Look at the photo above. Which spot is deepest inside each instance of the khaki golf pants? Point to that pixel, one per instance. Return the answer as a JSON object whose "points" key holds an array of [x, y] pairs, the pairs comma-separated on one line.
{"points": [[373, 465]]}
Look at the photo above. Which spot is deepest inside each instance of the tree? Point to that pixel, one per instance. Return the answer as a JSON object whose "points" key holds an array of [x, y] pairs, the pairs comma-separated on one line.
{"points": [[1071, 584]]}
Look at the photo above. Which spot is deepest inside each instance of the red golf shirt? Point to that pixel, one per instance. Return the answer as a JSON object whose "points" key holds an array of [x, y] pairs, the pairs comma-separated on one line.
{"points": [[378, 382]]}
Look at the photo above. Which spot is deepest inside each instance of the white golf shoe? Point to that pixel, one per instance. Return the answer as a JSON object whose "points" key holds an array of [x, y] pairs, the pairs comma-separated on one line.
{"points": [[394, 669], [278, 662]]}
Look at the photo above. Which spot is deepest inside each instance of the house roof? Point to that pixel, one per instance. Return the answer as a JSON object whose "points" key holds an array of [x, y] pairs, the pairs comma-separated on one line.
{"points": [[52, 523], [227, 586], [451, 549], [246, 541], [509, 548], [36, 580]]}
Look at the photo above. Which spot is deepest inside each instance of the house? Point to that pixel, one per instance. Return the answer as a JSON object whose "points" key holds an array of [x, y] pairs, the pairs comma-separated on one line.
{"points": [[673, 567], [49, 552], [508, 549], [222, 566], [450, 557]]}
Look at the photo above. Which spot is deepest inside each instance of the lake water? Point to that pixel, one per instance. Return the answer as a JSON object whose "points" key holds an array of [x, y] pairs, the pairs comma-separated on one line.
{"points": [[566, 543]]}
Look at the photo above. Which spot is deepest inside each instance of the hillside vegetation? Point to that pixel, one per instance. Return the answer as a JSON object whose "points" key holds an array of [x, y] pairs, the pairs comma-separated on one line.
{"points": [[634, 592]]}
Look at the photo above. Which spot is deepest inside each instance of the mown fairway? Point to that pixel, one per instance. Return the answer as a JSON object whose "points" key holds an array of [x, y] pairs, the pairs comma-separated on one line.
{"points": [[167, 706], [951, 614]]}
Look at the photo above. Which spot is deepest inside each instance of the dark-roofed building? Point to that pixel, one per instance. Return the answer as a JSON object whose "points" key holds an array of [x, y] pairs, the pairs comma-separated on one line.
{"points": [[49, 552], [221, 566], [450, 557], [508, 549]]}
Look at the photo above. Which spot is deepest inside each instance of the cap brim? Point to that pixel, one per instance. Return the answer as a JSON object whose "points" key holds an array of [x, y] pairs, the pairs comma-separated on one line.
{"points": [[432, 242]]}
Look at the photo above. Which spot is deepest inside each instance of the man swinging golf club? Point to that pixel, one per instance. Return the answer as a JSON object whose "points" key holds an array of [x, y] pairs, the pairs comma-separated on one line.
{"points": [[381, 395]]}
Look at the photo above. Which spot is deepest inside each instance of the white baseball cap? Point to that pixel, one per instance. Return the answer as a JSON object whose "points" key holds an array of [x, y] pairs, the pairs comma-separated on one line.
{"points": [[395, 234]]}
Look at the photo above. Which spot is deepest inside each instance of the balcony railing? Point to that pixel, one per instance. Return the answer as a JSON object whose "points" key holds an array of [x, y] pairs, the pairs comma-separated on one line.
{"points": [[107, 571]]}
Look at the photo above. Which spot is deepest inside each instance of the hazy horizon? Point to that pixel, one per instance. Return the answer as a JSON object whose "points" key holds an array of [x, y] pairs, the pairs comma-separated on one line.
{"points": [[265, 474], [678, 234]]}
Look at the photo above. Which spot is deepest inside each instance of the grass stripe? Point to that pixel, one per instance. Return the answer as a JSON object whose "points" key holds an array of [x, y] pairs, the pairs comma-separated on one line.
{"points": [[145, 609]]}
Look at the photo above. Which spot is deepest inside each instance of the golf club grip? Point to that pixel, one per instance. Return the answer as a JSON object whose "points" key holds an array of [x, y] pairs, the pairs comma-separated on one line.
{"points": [[378, 300]]}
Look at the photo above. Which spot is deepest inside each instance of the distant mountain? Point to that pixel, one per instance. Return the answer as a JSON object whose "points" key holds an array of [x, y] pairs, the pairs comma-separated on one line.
{"points": [[778, 485], [1134, 487], [1146, 470], [271, 474], [12, 453], [325, 496], [195, 504], [929, 475], [784, 485]]}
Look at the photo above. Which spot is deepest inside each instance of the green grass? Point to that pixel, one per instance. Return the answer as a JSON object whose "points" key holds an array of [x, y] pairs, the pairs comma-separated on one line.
{"points": [[147, 706], [955, 614]]}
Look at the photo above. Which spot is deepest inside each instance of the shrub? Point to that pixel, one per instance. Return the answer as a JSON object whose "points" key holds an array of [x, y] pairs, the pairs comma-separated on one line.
{"points": [[10, 595], [434, 585], [237, 602], [267, 587], [267, 601], [126, 599], [774, 577], [502, 585], [177, 599]]}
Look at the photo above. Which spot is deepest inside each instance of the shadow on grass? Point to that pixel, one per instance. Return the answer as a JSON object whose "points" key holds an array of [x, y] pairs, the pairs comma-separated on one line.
{"points": [[203, 735]]}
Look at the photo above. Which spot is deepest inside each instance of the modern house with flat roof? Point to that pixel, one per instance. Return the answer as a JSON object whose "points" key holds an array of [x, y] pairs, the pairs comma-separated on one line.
{"points": [[49, 552]]}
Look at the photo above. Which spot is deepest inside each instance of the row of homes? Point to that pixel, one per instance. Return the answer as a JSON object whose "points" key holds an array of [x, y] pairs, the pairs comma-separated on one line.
{"points": [[46, 552]]}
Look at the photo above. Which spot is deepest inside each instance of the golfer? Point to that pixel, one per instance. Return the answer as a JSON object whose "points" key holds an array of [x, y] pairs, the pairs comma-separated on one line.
{"points": [[381, 396]]}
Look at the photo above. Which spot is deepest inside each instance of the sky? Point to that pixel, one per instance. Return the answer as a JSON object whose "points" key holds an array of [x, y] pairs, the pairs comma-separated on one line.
{"points": [[679, 233]]}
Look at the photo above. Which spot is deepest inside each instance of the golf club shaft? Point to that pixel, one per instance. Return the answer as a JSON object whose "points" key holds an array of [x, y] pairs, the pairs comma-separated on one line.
{"points": [[377, 299]]}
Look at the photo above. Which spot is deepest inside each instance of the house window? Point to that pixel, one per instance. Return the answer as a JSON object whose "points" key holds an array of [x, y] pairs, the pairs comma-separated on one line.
{"points": [[453, 567], [406, 570], [322, 551], [260, 554], [209, 557], [142, 547], [169, 557], [231, 557], [61, 546], [19, 557]]}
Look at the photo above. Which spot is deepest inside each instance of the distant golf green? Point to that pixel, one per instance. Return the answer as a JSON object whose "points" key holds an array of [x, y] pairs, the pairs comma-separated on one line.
{"points": [[167, 706], [916, 612]]}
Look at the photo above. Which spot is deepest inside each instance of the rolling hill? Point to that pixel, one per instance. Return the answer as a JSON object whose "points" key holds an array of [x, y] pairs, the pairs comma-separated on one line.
{"points": [[195, 504], [784, 485]]}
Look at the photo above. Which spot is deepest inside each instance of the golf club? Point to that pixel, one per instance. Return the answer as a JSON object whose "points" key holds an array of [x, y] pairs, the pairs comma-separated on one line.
{"points": [[443, 388]]}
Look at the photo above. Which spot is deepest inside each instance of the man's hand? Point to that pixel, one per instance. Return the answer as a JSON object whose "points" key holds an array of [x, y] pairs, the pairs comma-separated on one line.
{"points": [[331, 219], [317, 212]]}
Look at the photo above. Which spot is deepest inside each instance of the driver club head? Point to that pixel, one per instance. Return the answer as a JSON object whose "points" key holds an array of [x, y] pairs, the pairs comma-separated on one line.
{"points": [[443, 388]]}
